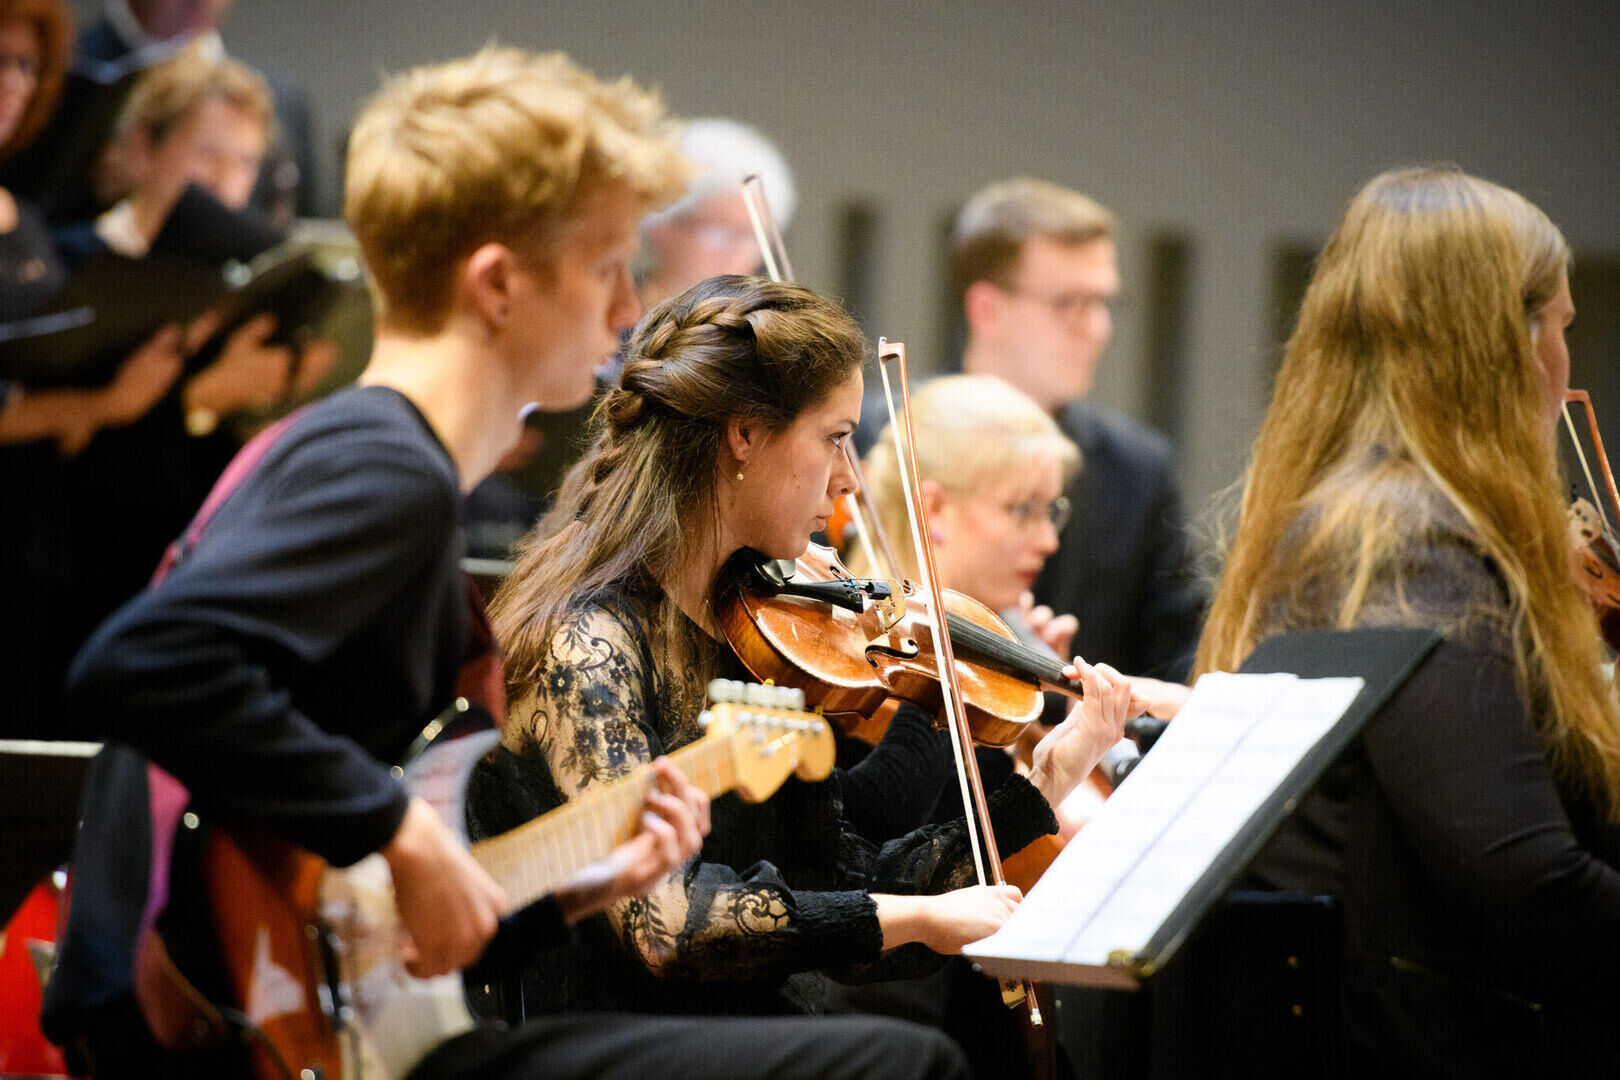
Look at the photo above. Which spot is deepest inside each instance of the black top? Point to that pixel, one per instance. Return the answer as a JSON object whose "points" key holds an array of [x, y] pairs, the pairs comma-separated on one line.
{"points": [[35, 635], [1481, 904], [314, 629], [1122, 566], [781, 890], [31, 270]]}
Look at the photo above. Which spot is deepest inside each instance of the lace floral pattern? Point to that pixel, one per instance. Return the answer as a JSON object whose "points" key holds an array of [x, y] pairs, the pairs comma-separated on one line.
{"points": [[601, 708]]}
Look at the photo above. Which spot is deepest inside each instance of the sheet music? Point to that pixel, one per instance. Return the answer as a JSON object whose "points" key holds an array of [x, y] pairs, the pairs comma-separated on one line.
{"points": [[1117, 882]]}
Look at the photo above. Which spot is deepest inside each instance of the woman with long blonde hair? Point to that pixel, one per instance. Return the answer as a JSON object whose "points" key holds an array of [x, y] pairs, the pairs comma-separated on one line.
{"points": [[1405, 475]]}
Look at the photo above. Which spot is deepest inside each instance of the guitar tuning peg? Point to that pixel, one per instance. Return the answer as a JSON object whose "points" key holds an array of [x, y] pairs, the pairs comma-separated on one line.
{"points": [[731, 691]]}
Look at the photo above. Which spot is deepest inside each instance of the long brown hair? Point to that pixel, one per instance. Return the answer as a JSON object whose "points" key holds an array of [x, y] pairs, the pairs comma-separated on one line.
{"points": [[1411, 371], [729, 347], [53, 25]]}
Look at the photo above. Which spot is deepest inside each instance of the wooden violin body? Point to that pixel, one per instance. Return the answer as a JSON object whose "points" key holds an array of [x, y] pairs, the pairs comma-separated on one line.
{"points": [[851, 662], [1597, 567], [1597, 550]]}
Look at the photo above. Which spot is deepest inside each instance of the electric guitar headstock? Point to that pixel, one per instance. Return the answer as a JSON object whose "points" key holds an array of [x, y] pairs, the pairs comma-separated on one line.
{"points": [[769, 734]]}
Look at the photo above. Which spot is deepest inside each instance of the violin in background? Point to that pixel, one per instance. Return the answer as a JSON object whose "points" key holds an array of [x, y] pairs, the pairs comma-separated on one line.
{"points": [[1591, 524]]}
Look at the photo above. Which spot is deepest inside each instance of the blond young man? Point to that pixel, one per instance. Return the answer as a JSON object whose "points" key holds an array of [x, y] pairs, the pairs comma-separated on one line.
{"points": [[319, 618]]}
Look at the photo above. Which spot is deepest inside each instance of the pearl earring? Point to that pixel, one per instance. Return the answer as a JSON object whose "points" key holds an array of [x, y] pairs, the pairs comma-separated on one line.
{"points": [[739, 474]]}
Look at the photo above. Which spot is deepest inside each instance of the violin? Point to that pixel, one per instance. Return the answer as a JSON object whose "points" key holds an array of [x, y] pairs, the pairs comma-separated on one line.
{"points": [[1591, 531], [853, 643], [1598, 566]]}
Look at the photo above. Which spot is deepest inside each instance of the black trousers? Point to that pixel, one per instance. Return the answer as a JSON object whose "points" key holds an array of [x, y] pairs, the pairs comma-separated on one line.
{"points": [[609, 1046], [591, 1046]]}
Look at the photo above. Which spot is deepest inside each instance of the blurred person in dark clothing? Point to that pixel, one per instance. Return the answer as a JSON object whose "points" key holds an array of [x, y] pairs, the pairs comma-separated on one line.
{"points": [[1036, 268]]}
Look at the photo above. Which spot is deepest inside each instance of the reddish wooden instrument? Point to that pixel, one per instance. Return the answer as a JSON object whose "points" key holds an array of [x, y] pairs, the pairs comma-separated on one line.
{"points": [[27, 947], [1591, 530], [312, 953], [853, 643]]}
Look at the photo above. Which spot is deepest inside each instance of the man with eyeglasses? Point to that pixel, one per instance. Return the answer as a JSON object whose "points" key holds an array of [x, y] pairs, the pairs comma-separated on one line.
{"points": [[1036, 268]]}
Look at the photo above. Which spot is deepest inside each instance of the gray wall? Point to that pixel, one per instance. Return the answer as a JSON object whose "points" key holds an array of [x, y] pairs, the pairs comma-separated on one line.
{"points": [[1244, 124]]}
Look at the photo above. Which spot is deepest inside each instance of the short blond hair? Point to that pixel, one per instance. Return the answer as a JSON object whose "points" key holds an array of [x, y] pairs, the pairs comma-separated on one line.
{"points": [[996, 223], [502, 146], [971, 430], [167, 93]]}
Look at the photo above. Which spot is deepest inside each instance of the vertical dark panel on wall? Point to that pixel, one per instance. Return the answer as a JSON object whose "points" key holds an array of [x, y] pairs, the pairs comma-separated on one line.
{"points": [[1169, 282], [1594, 338], [855, 238], [948, 321], [1292, 263]]}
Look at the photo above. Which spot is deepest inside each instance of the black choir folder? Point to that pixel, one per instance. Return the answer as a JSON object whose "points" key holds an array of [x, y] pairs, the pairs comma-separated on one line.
{"points": [[1133, 884], [113, 305]]}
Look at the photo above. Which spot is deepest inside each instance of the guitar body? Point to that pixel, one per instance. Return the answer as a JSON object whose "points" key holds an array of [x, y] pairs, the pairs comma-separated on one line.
{"points": [[265, 901], [312, 953], [27, 947]]}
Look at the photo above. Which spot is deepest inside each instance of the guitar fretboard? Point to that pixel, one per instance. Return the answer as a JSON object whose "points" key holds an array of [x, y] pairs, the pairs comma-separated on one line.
{"points": [[538, 858]]}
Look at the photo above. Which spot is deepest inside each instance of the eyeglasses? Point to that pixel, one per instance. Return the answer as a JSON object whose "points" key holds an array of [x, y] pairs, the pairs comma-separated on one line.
{"points": [[1070, 307], [23, 64], [1029, 513]]}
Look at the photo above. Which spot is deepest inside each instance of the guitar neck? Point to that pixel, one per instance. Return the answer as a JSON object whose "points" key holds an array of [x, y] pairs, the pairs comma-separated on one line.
{"points": [[538, 858]]}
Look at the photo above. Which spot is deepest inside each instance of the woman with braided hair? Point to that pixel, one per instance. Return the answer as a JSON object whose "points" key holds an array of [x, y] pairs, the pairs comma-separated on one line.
{"points": [[725, 432]]}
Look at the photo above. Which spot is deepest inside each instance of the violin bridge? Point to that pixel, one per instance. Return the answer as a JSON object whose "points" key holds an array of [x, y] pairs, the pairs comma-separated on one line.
{"points": [[891, 608]]}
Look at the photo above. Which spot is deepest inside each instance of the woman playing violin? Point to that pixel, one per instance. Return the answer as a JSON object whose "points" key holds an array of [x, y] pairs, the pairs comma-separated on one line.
{"points": [[1405, 475], [725, 432]]}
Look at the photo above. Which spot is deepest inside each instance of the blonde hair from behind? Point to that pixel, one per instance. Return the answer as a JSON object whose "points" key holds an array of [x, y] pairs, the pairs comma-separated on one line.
{"points": [[169, 92], [995, 224], [1411, 371], [502, 146], [970, 430]]}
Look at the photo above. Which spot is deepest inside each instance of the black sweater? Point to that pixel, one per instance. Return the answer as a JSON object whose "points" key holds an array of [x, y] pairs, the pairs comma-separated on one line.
{"points": [[1481, 902], [317, 625]]}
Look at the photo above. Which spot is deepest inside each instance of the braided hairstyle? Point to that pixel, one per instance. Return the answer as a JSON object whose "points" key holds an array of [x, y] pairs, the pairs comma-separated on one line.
{"points": [[730, 347]]}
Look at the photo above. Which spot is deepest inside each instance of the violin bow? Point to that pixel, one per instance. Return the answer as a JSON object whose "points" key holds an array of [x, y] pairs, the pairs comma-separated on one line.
{"points": [[1582, 398], [869, 530], [981, 836]]}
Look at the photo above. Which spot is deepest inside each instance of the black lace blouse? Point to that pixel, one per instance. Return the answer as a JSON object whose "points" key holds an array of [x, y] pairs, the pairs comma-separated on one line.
{"points": [[778, 897]]}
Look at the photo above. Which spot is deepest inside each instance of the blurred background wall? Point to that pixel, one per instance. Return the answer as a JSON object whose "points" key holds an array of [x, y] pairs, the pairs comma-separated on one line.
{"points": [[1226, 136]]}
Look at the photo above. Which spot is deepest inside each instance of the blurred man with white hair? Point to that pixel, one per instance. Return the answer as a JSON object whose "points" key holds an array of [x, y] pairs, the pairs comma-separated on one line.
{"points": [[708, 231]]}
